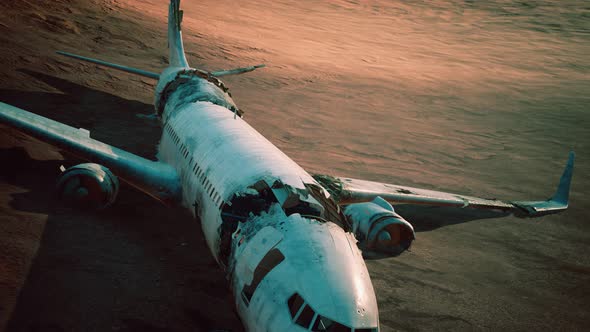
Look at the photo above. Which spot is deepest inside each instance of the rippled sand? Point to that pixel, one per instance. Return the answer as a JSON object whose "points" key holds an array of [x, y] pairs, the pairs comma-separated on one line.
{"points": [[482, 98]]}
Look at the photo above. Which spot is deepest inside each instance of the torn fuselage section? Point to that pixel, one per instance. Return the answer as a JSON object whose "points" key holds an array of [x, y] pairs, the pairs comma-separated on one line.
{"points": [[269, 201], [194, 85]]}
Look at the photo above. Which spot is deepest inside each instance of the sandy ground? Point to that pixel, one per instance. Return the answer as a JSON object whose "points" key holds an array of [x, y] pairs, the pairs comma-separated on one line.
{"points": [[478, 98]]}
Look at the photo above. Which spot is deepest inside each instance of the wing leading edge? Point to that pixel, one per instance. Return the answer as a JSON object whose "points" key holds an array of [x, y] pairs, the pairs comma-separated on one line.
{"points": [[348, 191], [157, 179]]}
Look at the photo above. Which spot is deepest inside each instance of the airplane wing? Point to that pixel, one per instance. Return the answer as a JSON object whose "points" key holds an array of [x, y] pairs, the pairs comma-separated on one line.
{"points": [[157, 179], [348, 191]]}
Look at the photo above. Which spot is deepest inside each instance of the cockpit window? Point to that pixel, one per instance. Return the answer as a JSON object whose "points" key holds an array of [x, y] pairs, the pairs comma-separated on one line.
{"points": [[295, 303], [305, 316], [322, 324], [326, 324]]}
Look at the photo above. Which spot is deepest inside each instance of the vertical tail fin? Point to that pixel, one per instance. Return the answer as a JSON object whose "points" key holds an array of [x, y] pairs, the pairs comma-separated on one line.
{"points": [[177, 57]]}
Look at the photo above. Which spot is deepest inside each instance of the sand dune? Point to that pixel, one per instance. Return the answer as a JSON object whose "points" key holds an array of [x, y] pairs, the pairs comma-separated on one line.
{"points": [[481, 98]]}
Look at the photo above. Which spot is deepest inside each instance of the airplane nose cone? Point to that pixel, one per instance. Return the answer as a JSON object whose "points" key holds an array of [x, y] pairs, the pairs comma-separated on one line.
{"points": [[310, 276], [337, 285], [331, 279]]}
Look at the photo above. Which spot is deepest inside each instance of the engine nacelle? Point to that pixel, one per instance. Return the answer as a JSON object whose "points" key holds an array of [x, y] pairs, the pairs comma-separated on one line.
{"points": [[89, 186], [378, 228]]}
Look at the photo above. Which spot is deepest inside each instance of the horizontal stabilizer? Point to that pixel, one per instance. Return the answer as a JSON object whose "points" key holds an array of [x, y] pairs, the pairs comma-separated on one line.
{"points": [[112, 65], [236, 71]]}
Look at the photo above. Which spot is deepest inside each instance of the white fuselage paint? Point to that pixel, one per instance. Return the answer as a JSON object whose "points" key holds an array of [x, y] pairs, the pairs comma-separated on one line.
{"points": [[216, 155]]}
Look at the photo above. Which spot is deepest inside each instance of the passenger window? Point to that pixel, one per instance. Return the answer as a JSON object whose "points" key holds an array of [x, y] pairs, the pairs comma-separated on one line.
{"points": [[305, 316]]}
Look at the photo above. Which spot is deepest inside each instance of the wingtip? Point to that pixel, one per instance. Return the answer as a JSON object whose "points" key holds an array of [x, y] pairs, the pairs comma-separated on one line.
{"points": [[563, 189]]}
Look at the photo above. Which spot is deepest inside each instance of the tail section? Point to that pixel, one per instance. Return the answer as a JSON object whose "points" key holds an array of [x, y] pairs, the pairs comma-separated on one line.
{"points": [[177, 57]]}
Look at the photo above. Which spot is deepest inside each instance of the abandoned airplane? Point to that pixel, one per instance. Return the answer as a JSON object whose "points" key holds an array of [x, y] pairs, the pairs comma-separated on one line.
{"points": [[290, 252]]}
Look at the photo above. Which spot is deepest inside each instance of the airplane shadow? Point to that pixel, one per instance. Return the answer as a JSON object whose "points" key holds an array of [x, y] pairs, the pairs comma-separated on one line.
{"points": [[428, 218], [137, 266], [109, 118]]}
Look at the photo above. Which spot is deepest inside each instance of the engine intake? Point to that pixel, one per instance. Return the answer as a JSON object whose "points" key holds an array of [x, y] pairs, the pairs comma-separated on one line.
{"points": [[89, 186], [378, 228]]}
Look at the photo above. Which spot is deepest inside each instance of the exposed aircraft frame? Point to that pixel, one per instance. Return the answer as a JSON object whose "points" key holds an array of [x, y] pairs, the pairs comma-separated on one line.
{"points": [[290, 252]]}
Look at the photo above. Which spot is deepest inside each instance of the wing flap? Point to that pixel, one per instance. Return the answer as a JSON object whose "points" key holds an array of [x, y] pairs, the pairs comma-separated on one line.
{"points": [[348, 191], [157, 179]]}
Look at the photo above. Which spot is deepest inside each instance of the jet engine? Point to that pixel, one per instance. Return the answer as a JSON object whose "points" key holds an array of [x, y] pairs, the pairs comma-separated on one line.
{"points": [[378, 228], [89, 186]]}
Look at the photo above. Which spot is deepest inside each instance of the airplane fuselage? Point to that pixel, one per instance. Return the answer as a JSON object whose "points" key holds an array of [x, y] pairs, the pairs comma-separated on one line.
{"points": [[263, 216]]}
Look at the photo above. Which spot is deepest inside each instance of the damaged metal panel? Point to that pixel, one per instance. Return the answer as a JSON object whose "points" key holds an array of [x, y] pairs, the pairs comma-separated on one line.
{"points": [[249, 254], [246, 205], [193, 85], [273, 258]]}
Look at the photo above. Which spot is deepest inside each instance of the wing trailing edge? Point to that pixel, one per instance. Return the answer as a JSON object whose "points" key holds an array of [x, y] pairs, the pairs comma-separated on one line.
{"points": [[348, 191]]}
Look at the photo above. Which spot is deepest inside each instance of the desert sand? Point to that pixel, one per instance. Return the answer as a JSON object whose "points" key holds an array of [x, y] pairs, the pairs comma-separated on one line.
{"points": [[480, 98]]}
